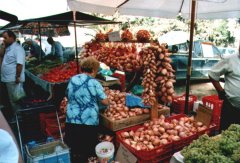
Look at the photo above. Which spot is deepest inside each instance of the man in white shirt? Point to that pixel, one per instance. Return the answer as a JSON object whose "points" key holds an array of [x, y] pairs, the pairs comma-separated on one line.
{"points": [[13, 66], [230, 68]]}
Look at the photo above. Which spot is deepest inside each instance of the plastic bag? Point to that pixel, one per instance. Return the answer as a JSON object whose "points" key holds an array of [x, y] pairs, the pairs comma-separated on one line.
{"points": [[134, 101], [137, 90], [18, 93]]}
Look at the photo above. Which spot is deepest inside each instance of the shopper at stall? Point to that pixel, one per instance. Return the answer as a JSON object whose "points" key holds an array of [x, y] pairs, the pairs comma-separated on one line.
{"points": [[229, 67], [13, 65], [35, 49], [83, 93], [57, 49]]}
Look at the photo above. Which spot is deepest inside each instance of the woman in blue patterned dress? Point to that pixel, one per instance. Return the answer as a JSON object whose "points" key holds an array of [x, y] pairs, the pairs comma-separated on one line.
{"points": [[83, 93]]}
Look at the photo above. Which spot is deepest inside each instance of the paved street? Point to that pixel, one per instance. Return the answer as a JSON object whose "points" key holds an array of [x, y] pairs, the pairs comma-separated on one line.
{"points": [[198, 88]]}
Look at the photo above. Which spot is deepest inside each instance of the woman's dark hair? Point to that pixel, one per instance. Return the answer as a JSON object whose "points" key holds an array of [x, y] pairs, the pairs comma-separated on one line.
{"points": [[11, 34]]}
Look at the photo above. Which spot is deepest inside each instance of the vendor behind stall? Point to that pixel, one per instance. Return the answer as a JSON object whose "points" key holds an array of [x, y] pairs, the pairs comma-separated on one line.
{"points": [[57, 49], [35, 49], [82, 121]]}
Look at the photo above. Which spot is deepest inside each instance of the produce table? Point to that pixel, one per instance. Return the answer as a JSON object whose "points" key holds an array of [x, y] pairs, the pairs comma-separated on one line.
{"points": [[45, 85]]}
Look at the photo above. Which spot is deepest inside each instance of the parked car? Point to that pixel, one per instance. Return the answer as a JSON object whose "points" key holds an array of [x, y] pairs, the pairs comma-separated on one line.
{"points": [[204, 56], [227, 51]]}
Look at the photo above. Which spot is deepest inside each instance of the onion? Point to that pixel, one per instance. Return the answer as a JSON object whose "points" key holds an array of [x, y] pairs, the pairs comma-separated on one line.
{"points": [[164, 141], [127, 141], [156, 142], [175, 138], [199, 124], [161, 130]]}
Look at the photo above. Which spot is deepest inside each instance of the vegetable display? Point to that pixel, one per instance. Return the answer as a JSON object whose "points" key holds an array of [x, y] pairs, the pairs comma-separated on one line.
{"points": [[60, 73], [225, 148], [127, 35], [121, 56], [143, 36], [117, 109], [158, 75], [160, 132]]}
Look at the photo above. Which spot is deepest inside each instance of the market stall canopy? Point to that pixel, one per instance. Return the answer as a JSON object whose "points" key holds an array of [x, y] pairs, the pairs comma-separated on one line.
{"points": [[8, 17], [206, 9], [56, 24]]}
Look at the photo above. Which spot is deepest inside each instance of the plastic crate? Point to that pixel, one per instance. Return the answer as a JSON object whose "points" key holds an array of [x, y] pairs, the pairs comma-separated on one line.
{"points": [[164, 158], [52, 128], [143, 155], [214, 103], [47, 153], [49, 120], [178, 103]]}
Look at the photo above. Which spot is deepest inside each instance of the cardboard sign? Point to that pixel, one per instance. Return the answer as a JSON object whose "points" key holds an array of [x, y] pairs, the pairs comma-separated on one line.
{"points": [[114, 36], [124, 155], [204, 114]]}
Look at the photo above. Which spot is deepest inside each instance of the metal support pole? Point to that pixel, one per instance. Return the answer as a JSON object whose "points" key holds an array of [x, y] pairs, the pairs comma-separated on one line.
{"points": [[75, 34], [40, 37], [189, 68]]}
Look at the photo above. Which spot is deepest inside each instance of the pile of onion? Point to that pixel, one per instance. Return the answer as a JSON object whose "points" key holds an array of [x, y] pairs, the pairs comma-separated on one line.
{"points": [[127, 35], [121, 56], [158, 75], [63, 105], [101, 36], [143, 36], [117, 109], [161, 132]]}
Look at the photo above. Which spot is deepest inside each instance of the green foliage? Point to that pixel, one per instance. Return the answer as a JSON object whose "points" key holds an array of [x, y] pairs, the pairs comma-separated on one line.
{"points": [[217, 31], [221, 150]]}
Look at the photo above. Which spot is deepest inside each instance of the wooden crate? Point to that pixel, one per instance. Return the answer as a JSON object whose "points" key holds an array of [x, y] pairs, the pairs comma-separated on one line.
{"points": [[128, 122], [123, 123]]}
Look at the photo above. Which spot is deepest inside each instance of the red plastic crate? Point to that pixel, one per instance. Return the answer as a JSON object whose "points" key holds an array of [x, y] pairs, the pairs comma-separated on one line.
{"points": [[178, 103], [162, 158], [143, 155], [55, 133], [214, 103]]}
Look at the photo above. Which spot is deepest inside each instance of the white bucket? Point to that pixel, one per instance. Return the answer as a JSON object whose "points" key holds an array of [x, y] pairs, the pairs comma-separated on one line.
{"points": [[105, 151]]}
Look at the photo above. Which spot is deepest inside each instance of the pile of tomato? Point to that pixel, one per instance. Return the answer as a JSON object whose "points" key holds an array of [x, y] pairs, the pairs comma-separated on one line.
{"points": [[61, 73]]}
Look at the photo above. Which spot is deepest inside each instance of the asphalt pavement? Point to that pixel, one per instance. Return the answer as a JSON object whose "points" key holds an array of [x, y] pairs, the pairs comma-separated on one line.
{"points": [[199, 88]]}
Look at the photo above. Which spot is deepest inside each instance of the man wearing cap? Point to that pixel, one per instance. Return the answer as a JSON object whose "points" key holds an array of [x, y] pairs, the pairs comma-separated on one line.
{"points": [[35, 49]]}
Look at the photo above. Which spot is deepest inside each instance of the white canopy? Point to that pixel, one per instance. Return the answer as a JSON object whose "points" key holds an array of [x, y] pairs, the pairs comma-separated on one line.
{"points": [[206, 9]]}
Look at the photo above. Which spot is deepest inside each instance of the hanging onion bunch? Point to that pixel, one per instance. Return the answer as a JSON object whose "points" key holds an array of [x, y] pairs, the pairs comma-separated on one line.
{"points": [[158, 75], [149, 74], [165, 77]]}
